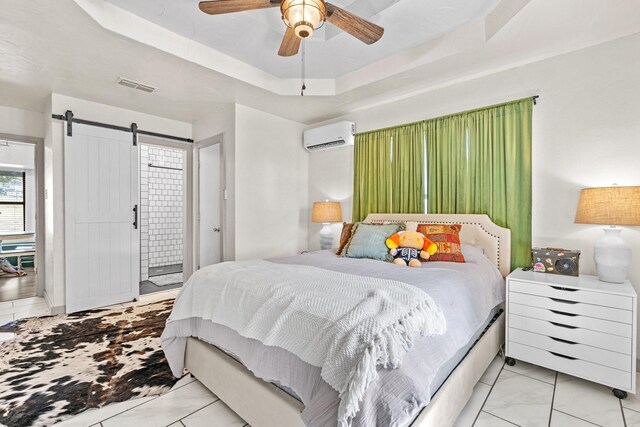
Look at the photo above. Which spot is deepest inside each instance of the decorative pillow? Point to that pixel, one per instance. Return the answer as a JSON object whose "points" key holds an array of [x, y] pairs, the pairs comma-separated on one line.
{"points": [[368, 241], [345, 236], [447, 238]]}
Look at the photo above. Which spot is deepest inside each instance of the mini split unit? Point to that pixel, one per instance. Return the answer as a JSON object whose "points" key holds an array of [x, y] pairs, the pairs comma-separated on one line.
{"points": [[135, 85], [330, 136]]}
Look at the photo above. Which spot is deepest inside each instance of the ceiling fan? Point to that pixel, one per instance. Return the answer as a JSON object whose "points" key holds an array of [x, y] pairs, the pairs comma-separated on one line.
{"points": [[302, 17]]}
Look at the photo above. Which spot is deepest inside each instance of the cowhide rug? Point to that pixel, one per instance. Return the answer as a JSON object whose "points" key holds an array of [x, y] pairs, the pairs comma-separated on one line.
{"points": [[58, 366]]}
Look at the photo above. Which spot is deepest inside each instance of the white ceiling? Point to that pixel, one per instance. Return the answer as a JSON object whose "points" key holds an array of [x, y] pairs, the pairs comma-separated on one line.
{"points": [[254, 36], [80, 47]]}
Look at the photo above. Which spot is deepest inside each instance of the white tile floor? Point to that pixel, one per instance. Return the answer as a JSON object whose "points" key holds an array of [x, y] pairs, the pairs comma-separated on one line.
{"points": [[21, 308], [528, 395], [522, 395]]}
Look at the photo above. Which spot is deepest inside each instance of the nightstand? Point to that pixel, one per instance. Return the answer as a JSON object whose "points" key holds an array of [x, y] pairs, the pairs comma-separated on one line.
{"points": [[576, 325]]}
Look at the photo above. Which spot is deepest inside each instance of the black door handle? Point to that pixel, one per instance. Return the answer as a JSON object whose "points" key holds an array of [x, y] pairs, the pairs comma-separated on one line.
{"points": [[563, 341], [562, 355], [561, 325], [563, 313], [560, 288], [563, 301], [135, 217]]}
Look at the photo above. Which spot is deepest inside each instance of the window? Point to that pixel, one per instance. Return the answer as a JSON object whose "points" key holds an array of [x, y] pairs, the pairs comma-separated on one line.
{"points": [[12, 206]]}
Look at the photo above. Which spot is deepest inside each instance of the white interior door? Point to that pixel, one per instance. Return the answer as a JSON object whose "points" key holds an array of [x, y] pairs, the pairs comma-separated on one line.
{"points": [[102, 250], [210, 196]]}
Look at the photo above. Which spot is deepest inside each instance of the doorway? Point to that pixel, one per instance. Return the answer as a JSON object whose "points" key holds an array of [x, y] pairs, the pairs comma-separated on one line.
{"points": [[18, 223], [162, 196], [210, 202]]}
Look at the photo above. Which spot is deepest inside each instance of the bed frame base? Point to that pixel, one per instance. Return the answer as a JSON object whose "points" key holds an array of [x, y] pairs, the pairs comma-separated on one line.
{"points": [[262, 404], [455, 392], [258, 402]]}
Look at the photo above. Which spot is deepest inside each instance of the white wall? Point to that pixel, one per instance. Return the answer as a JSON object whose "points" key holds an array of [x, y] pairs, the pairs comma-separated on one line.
{"points": [[54, 174], [272, 204], [331, 178], [14, 121], [586, 132], [266, 172]]}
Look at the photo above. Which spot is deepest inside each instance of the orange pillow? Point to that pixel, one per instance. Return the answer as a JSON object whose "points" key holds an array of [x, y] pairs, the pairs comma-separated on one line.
{"points": [[345, 236], [447, 238]]}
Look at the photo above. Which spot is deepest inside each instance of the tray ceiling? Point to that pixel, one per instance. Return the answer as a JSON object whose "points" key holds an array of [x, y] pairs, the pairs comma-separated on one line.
{"points": [[254, 37]]}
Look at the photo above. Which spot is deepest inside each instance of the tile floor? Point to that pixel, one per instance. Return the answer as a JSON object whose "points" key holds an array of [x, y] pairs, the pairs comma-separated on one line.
{"points": [[528, 395], [521, 395], [21, 308]]}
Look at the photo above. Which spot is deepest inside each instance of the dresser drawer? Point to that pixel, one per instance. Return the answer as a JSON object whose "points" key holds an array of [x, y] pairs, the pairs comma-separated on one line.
{"points": [[574, 350], [600, 325], [571, 333], [580, 368], [590, 310], [578, 295]]}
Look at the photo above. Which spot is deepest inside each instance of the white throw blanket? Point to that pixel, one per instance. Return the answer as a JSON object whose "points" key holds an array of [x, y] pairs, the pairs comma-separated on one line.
{"points": [[347, 325]]}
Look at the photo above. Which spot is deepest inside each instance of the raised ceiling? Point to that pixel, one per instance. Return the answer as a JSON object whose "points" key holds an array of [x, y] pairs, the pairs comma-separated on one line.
{"points": [[80, 47], [254, 37]]}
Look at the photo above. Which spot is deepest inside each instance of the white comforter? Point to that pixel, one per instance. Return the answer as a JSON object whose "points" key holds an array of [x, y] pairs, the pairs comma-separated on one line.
{"points": [[345, 324], [467, 294]]}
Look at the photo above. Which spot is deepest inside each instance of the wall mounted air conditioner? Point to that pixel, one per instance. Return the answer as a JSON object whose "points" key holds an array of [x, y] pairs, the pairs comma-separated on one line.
{"points": [[339, 134]]}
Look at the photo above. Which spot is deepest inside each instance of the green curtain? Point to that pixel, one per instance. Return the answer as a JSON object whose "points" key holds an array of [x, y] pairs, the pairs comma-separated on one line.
{"points": [[372, 174], [389, 171], [407, 166], [480, 162]]}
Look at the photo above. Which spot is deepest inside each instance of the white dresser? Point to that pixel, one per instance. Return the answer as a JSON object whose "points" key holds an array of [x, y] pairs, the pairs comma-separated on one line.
{"points": [[576, 325]]}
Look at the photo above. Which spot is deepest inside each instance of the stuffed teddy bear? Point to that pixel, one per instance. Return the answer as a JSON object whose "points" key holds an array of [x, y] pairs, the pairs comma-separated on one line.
{"points": [[407, 247]]}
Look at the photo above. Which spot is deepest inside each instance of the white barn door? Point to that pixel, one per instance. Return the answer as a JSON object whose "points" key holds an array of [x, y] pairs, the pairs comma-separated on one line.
{"points": [[102, 243]]}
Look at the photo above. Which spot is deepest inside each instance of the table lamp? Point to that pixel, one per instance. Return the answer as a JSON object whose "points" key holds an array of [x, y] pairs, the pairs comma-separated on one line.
{"points": [[326, 213], [610, 206]]}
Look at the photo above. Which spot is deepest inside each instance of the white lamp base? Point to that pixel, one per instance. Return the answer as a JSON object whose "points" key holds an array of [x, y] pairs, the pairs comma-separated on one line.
{"points": [[326, 236], [612, 256]]}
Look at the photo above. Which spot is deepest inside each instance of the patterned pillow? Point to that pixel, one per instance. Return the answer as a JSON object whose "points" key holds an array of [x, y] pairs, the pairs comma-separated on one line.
{"points": [[345, 236], [447, 238], [368, 241]]}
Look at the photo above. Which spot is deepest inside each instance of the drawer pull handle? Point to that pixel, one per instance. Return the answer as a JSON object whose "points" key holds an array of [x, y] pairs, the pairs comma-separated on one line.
{"points": [[562, 355], [563, 341], [563, 301], [563, 313], [563, 326], [560, 288]]}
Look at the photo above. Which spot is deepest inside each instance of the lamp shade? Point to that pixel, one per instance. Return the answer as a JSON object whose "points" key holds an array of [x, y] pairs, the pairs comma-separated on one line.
{"points": [[609, 206], [326, 212]]}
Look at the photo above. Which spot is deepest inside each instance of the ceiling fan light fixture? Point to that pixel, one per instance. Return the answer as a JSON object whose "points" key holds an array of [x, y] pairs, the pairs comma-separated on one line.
{"points": [[304, 16]]}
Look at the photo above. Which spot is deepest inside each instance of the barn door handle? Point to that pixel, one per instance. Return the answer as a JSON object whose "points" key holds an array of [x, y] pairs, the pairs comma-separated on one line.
{"points": [[135, 217]]}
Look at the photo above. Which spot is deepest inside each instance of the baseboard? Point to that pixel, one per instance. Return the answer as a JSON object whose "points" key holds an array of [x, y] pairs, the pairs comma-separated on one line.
{"points": [[61, 309]]}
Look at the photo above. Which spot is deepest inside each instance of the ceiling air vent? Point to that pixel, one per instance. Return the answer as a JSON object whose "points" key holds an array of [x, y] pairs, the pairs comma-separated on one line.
{"points": [[135, 85]]}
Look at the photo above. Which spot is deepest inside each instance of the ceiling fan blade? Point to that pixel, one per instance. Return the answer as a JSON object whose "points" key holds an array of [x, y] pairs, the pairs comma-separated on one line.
{"points": [[218, 7], [354, 25], [290, 43]]}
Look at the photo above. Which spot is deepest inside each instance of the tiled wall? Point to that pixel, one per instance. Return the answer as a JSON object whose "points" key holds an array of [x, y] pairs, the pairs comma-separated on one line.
{"points": [[160, 208]]}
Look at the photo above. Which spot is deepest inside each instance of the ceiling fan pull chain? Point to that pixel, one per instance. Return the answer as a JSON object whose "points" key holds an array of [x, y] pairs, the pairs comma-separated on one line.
{"points": [[304, 86]]}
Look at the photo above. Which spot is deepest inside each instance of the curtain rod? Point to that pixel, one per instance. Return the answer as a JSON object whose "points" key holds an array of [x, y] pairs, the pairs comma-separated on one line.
{"points": [[534, 98], [70, 119]]}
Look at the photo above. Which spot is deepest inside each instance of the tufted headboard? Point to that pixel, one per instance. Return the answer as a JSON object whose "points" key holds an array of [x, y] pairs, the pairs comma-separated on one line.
{"points": [[477, 230]]}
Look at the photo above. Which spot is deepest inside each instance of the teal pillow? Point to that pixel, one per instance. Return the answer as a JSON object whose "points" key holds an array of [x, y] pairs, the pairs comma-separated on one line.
{"points": [[368, 241]]}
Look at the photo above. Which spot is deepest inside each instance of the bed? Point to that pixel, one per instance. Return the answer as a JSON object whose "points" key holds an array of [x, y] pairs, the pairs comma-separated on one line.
{"points": [[439, 393]]}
